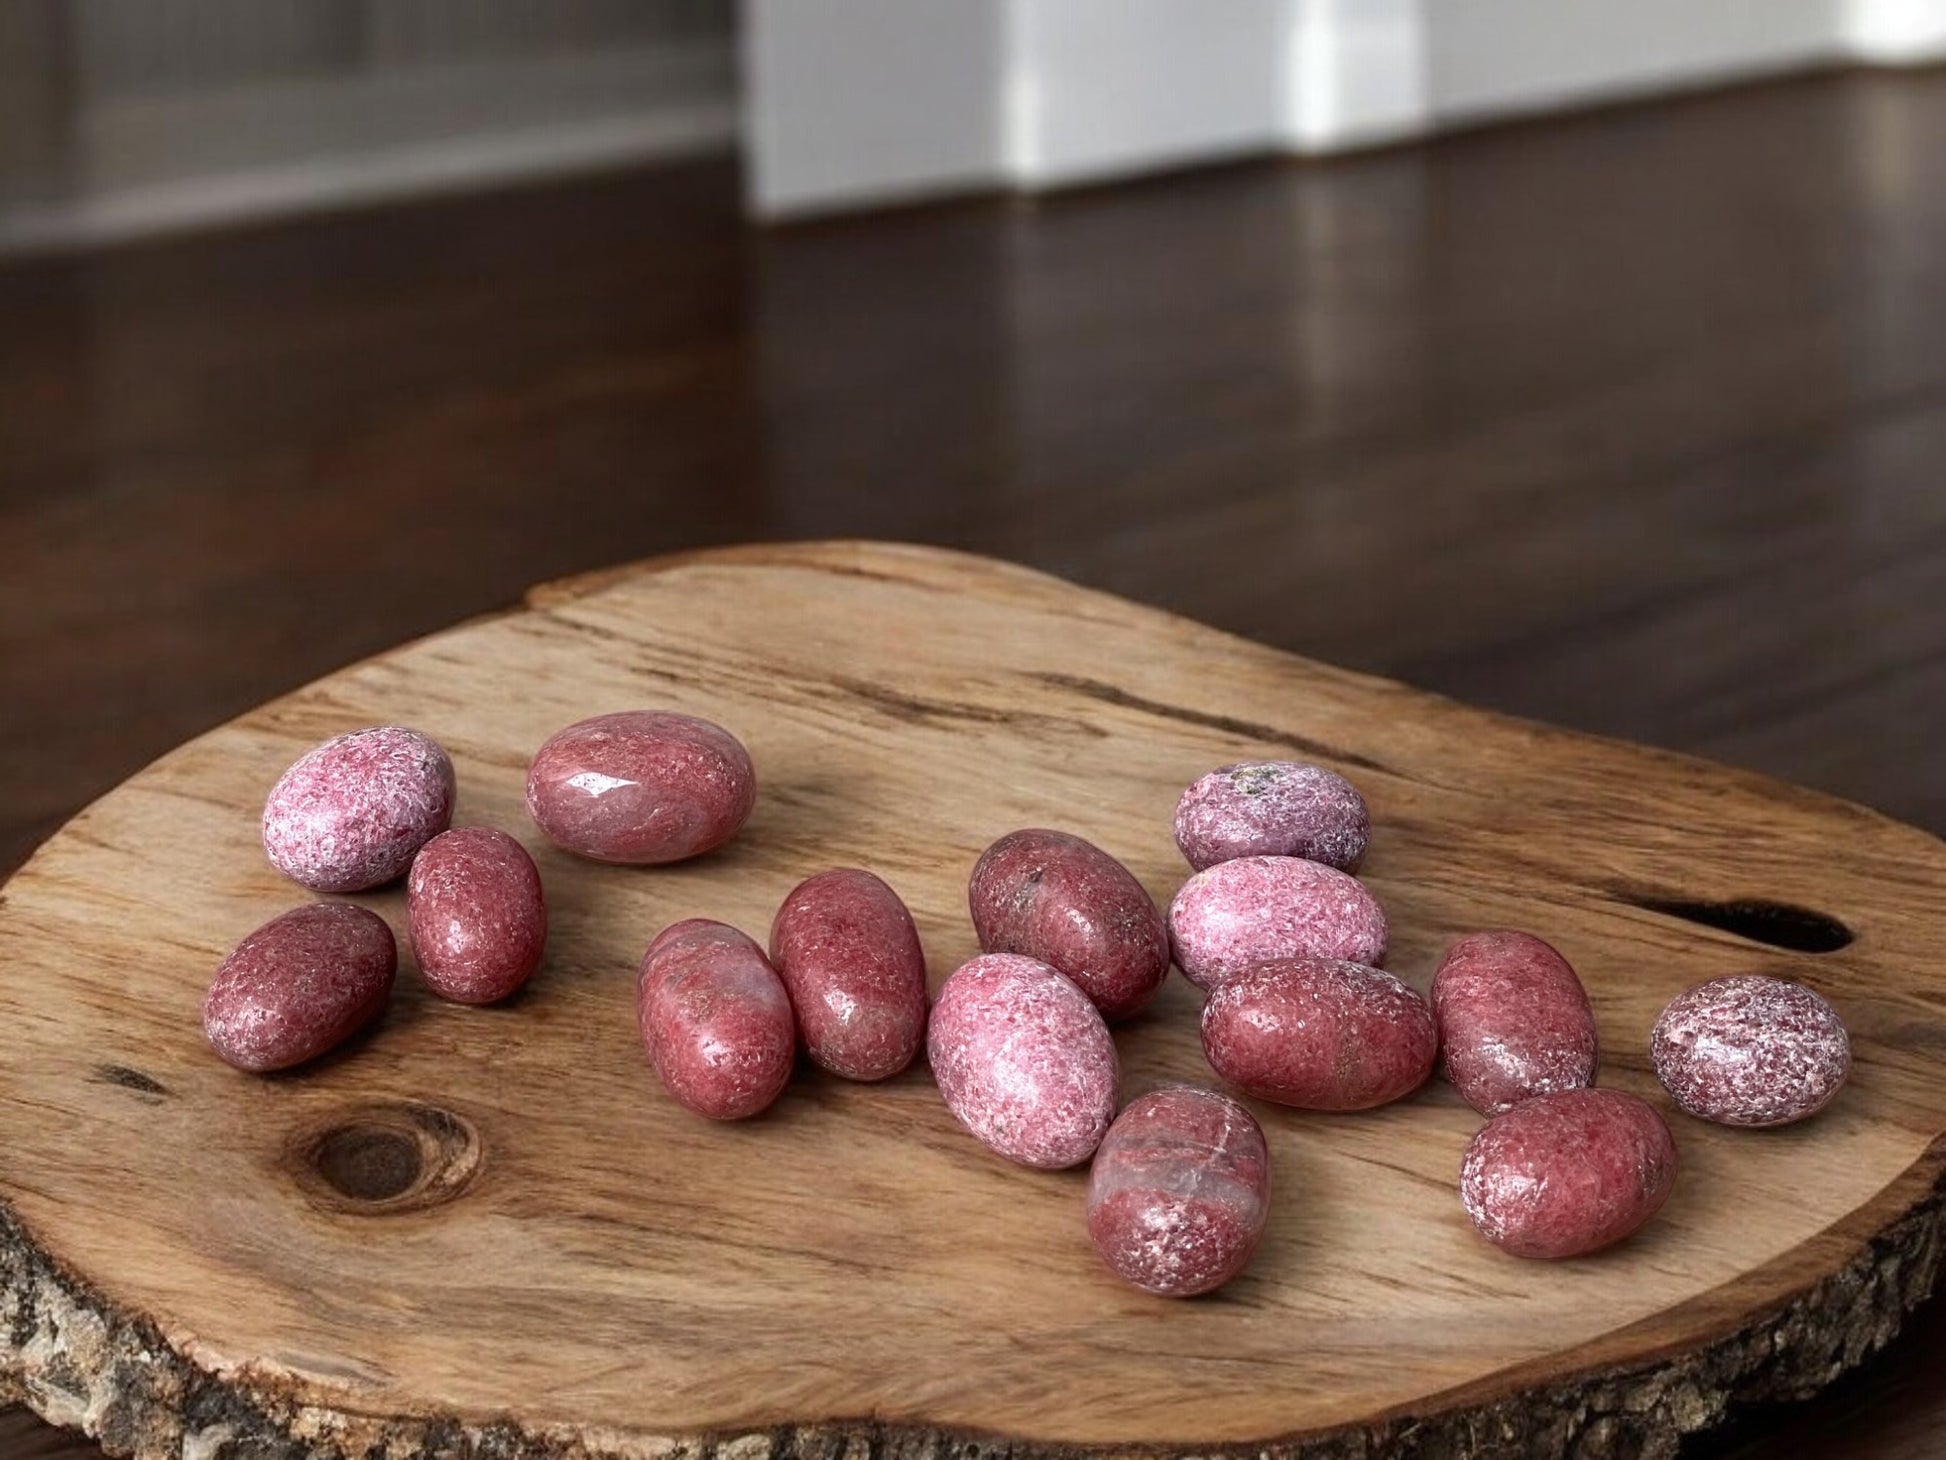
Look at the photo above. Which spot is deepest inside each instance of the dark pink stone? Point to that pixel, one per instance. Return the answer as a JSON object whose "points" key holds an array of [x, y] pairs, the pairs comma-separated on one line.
{"points": [[715, 1020], [1566, 1174], [1514, 1021], [352, 813], [303, 983], [1319, 1034], [1751, 1050], [1024, 1060], [1254, 910], [1180, 1191], [1064, 901], [849, 956], [475, 914], [1273, 808], [641, 786]]}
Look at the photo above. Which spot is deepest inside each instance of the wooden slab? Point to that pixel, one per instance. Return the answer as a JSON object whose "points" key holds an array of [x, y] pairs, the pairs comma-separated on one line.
{"points": [[490, 1229]]}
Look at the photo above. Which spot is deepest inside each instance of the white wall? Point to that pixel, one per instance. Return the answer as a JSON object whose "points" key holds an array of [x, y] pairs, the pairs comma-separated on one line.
{"points": [[1111, 86], [872, 100], [1494, 57], [853, 100], [1896, 32]]}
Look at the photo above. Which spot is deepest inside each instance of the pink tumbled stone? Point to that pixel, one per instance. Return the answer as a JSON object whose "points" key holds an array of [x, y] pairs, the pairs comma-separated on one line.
{"points": [[352, 813], [1052, 896], [475, 914], [715, 1020], [849, 956], [1253, 910], [1319, 1034], [1751, 1050], [1514, 1020], [1273, 808], [1566, 1174], [303, 983], [641, 786], [1180, 1191], [1023, 1060]]}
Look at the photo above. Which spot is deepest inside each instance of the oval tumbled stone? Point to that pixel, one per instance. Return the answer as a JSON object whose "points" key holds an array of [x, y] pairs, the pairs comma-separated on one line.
{"points": [[301, 984]]}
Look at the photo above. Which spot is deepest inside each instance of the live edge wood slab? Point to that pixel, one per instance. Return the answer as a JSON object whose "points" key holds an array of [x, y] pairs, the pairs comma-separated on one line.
{"points": [[489, 1233]]}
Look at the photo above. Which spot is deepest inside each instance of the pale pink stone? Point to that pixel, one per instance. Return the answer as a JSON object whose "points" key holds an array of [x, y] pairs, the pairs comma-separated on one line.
{"points": [[1273, 808], [1255, 909], [1751, 1050], [353, 813], [1024, 1060]]}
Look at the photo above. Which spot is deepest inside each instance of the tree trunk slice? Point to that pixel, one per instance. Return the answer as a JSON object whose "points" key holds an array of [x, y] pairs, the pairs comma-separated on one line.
{"points": [[489, 1233]]}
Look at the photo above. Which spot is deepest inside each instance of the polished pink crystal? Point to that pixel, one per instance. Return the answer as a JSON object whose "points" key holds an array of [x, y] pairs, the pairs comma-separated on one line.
{"points": [[1320, 1034], [475, 914], [1180, 1191], [1054, 897], [1024, 1060], [641, 786], [715, 1020], [1273, 808], [849, 956], [1566, 1174], [1514, 1020], [1257, 909], [301, 984], [352, 813], [1751, 1050]]}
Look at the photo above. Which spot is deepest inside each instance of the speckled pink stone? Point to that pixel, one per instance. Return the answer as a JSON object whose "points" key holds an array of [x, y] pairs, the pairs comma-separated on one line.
{"points": [[715, 1020], [1273, 808], [352, 813], [475, 914], [1180, 1191], [1254, 910], [1320, 1034], [845, 947], [641, 787], [1024, 1060], [1514, 1021], [303, 983], [1055, 897], [1751, 1050], [1567, 1174]]}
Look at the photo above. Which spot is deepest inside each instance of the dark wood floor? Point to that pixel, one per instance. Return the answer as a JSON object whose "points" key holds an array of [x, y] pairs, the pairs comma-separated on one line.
{"points": [[1635, 422]]}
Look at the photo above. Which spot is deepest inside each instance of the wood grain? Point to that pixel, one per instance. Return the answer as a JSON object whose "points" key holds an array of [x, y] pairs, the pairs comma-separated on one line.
{"points": [[481, 1223]]}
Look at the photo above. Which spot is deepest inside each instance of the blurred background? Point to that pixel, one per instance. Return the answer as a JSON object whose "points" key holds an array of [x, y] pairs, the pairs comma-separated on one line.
{"points": [[1586, 361]]}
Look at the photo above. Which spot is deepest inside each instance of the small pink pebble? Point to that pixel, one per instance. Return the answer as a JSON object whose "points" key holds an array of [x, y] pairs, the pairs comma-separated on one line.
{"points": [[303, 983], [1257, 909], [1273, 808], [1024, 1060], [849, 956], [1319, 1034], [1751, 1050], [641, 786], [475, 914], [352, 813], [1514, 1021], [1180, 1191], [715, 1020], [1566, 1174], [1052, 896]]}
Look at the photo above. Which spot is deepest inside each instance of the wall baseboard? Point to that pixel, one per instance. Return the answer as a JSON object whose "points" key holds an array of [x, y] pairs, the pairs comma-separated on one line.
{"points": [[1052, 93], [272, 151]]}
